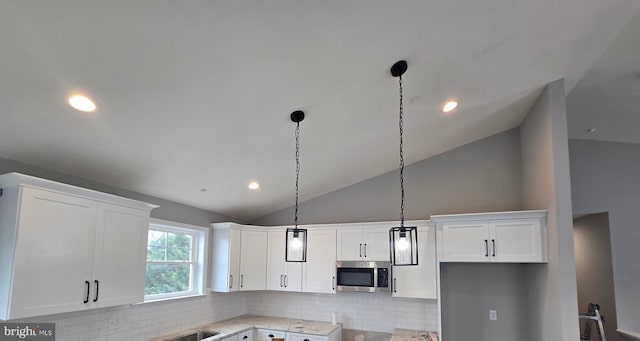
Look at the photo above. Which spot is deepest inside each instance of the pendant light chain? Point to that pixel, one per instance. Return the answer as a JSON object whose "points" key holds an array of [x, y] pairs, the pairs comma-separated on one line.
{"points": [[297, 170], [401, 157]]}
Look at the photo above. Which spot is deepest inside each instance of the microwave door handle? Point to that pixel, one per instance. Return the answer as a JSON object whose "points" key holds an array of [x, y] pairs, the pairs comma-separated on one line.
{"points": [[375, 278]]}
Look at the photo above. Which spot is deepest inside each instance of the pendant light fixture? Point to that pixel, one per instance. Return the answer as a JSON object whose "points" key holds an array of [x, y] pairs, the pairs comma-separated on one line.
{"points": [[403, 241], [296, 238]]}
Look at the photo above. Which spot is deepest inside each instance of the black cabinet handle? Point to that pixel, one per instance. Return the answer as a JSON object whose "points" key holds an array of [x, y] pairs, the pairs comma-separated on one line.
{"points": [[86, 300], [360, 250], [245, 337], [365, 250], [95, 299], [333, 281], [286, 281], [230, 281], [271, 335], [242, 281], [395, 285], [493, 241], [486, 248], [281, 281]]}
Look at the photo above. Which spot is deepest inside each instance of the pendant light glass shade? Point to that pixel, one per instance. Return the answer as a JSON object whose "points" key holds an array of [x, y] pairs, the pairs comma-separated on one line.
{"points": [[296, 245], [403, 241], [404, 245]]}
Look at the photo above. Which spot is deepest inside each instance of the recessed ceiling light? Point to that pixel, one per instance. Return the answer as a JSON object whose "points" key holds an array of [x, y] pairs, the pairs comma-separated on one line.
{"points": [[449, 106], [82, 103], [254, 185]]}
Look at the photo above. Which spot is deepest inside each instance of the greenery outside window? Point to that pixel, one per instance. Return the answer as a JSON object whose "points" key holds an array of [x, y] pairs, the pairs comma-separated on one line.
{"points": [[175, 260]]}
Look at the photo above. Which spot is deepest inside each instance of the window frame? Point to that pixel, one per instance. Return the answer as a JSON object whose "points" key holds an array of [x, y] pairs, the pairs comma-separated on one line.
{"points": [[200, 237]]}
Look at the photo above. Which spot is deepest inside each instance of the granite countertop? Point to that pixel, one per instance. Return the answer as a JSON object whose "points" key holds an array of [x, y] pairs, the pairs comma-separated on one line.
{"points": [[240, 324], [413, 335]]}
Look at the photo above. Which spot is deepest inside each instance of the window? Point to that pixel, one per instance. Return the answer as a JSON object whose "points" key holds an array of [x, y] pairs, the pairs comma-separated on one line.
{"points": [[175, 260]]}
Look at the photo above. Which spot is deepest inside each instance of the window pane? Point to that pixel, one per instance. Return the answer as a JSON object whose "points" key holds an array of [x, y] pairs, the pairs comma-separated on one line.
{"points": [[157, 238], [179, 240], [156, 253], [167, 278], [178, 254]]}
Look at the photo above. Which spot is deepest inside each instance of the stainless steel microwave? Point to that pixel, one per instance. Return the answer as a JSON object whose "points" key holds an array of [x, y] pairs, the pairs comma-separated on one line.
{"points": [[363, 276]]}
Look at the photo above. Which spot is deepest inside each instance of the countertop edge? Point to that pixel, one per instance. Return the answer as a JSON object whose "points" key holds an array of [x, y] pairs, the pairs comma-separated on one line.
{"points": [[239, 324]]}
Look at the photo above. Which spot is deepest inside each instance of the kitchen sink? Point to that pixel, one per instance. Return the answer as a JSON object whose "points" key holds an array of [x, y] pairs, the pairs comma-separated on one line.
{"points": [[197, 336]]}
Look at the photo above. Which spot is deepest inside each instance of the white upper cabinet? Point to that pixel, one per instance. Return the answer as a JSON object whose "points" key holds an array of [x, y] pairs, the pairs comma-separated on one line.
{"points": [[319, 271], [418, 281], [118, 257], [507, 237], [64, 248], [362, 243], [253, 260], [239, 259], [281, 275], [225, 274]]}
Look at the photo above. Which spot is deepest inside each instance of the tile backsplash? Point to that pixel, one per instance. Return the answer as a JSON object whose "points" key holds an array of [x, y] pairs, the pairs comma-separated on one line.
{"points": [[140, 322], [144, 321], [363, 311]]}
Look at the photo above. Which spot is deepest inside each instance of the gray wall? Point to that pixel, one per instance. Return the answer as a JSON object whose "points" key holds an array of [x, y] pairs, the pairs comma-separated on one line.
{"points": [[469, 291], [481, 176], [594, 270], [168, 210], [605, 177], [546, 185]]}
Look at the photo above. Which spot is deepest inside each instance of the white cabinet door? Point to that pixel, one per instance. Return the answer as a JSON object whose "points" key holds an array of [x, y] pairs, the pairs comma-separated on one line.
{"points": [[225, 258], [293, 276], [248, 335], [233, 275], [253, 260], [269, 334], [53, 253], [281, 275], [349, 244], [305, 337], [517, 240], [465, 242], [276, 267], [418, 281], [376, 244], [120, 255], [319, 271]]}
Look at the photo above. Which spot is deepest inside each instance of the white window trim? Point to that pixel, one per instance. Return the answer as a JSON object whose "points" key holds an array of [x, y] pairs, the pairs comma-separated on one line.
{"points": [[199, 252]]}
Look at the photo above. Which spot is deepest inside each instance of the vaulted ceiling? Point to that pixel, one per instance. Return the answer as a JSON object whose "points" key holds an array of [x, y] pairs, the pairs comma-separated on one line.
{"points": [[197, 94]]}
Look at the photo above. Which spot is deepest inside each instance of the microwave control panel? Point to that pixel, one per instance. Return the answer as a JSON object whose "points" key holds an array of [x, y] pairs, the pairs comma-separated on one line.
{"points": [[383, 277]]}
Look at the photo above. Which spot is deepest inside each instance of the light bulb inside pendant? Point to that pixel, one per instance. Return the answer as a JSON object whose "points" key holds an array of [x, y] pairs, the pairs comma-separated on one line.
{"points": [[296, 243], [402, 244]]}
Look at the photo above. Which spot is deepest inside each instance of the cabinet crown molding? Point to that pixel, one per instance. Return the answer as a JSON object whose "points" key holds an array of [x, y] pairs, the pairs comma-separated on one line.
{"points": [[11, 180], [490, 215]]}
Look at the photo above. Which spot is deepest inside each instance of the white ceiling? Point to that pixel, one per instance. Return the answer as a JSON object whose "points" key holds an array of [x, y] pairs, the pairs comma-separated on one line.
{"points": [[197, 94], [607, 98]]}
